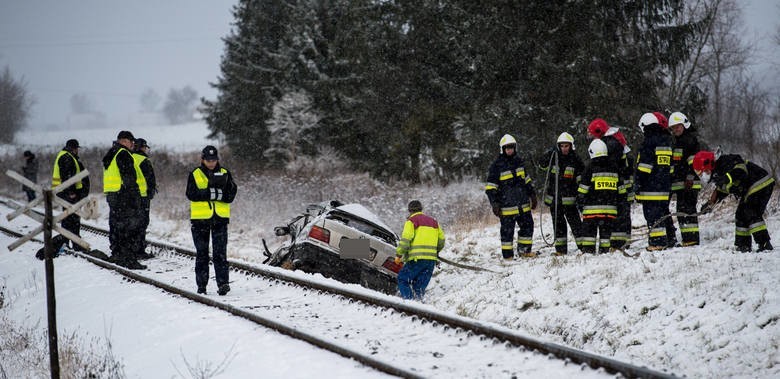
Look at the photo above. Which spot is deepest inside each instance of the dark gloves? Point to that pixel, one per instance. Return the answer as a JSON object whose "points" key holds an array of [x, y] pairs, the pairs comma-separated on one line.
{"points": [[688, 184], [706, 208], [534, 203], [497, 211], [215, 194], [218, 180]]}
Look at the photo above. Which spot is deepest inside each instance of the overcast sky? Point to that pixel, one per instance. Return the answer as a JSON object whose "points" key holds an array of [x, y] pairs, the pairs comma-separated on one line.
{"points": [[113, 50]]}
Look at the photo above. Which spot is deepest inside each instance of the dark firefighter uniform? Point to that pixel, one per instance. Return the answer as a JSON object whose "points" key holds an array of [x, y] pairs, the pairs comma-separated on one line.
{"points": [[210, 192], [510, 192], [686, 185], [124, 201], [421, 241], [654, 181], [599, 198], [619, 154], [147, 187], [567, 175], [753, 186], [66, 165]]}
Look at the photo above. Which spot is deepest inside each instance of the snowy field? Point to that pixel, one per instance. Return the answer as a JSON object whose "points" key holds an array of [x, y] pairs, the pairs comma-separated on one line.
{"points": [[699, 312], [175, 138]]}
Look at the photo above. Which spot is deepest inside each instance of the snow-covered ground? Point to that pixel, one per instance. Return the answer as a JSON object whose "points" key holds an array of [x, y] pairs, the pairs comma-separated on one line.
{"points": [[699, 312]]}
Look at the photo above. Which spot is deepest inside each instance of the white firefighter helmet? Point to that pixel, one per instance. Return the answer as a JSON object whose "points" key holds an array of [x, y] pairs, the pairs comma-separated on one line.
{"points": [[679, 118], [647, 119], [566, 138], [597, 149], [507, 140]]}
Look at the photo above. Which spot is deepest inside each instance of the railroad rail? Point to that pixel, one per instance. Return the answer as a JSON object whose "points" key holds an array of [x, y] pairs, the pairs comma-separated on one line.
{"points": [[422, 314]]}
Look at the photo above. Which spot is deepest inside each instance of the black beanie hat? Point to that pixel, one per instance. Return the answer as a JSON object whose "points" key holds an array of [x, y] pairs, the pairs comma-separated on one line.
{"points": [[415, 206], [72, 144]]}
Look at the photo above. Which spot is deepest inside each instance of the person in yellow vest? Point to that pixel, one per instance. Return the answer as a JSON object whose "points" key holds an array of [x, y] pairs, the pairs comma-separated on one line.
{"points": [[421, 241], [124, 201], [147, 186], [66, 165], [210, 189]]}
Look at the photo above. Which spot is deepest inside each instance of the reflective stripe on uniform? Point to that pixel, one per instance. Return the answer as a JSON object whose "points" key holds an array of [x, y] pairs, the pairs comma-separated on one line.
{"points": [[112, 179]]}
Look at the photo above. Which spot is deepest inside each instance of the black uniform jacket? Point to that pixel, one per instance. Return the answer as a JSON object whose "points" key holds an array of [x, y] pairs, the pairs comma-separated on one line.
{"points": [[223, 182], [598, 189], [685, 147], [508, 185], [654, 166], [568, 172], [733, 175], [68, 170], [126, 164]]}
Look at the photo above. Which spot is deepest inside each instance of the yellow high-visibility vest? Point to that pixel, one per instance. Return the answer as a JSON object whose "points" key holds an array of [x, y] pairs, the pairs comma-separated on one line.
{"points": [[204, 210], [55, 176], [139, 176], [112, 179]]}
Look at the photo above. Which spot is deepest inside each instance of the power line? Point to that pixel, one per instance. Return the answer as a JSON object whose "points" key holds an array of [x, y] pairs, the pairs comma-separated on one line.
{"points": [[33, 45]]}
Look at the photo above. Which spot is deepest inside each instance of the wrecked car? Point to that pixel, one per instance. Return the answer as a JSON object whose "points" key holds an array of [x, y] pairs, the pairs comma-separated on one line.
{"points": [[346, 242]]}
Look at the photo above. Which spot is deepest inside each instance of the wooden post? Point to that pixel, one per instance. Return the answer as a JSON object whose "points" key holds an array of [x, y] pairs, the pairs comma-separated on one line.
{"points": [[51, 303]]}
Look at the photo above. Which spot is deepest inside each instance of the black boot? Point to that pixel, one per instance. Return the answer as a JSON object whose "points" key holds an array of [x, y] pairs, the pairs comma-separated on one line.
{"points": [[223, 289], [766, 246]]}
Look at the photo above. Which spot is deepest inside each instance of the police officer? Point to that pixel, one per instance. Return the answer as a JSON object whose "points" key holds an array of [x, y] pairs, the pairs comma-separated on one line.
{"points": [[421, 241], [685, 183], [561, 197], [654, 181], [512, 197], [66, 165], [750, 183], [147, 186], [30, 171], [124, 201], [210, 189]]}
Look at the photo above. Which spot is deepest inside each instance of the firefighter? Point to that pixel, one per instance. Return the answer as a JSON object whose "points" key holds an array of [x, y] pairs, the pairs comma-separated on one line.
{"points": [[421, 241], [147, 187], [512, 197], [210, 189], [619, 152], [654, 181], [685, 183], [124, 201], [66, 165], [561, 190], [598, 194], [752, 186]]}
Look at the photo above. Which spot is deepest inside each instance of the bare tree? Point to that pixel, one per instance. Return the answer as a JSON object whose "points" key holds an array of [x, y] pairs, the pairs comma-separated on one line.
{"points": [[15, 104], [180, 105], [727, 56], [149, 100], [80, 103]]}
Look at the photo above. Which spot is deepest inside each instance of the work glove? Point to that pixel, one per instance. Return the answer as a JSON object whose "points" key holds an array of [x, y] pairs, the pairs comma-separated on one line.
{"points": [[215, 194], [706, 208], [533, 202], [497, 211], [398, 260], [688, 184]]}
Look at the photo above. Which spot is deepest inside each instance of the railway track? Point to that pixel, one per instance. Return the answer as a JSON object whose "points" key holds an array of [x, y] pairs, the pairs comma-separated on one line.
{"points": [[377, 325]]}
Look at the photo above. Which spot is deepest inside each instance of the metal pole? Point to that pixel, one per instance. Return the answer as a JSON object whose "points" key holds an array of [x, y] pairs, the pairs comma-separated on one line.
{"points": [[51, 304]]}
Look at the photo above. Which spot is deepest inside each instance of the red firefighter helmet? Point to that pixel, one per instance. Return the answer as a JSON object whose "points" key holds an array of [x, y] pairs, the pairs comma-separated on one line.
{"points": [[598, 128], [704, 161]]}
